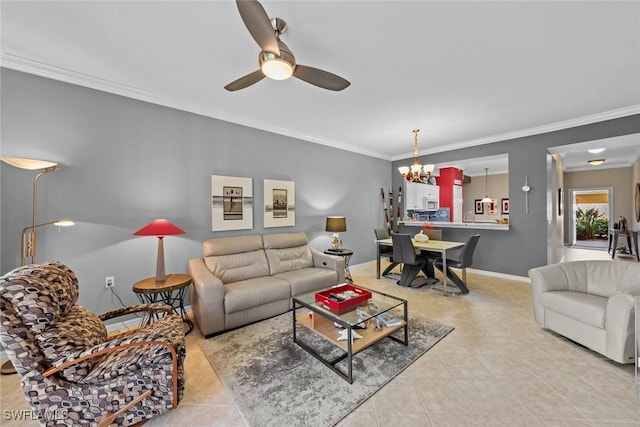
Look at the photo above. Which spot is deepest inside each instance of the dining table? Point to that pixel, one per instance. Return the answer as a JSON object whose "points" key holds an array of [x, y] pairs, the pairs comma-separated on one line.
{"points": [[440, 246]]}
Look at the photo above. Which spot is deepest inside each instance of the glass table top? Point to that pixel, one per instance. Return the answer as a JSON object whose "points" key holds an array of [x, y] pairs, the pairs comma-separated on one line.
{"points": [[377, 304]]}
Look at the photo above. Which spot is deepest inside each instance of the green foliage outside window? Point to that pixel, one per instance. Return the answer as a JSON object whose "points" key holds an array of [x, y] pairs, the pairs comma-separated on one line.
{"points": [[591, 224]]}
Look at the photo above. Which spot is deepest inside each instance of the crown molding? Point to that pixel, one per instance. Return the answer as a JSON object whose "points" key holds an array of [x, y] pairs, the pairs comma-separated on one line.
{"points": [[42, 69], [20, 63], [552, 127]]}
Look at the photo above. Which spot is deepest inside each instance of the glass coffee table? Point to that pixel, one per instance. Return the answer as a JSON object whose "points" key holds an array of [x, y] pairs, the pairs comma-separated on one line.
{"points": [[323, 322]]}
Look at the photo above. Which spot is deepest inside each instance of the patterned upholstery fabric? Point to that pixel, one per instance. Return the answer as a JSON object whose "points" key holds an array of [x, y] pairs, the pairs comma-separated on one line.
{"points": [[78, 330], [42, 327]]}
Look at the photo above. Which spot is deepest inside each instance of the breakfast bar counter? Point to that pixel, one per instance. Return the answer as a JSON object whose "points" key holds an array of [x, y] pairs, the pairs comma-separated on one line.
{"points": [[470, 225]]}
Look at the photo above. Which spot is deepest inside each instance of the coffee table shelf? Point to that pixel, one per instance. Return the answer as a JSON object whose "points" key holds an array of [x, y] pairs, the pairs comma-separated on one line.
{"points": [[325, 327]]}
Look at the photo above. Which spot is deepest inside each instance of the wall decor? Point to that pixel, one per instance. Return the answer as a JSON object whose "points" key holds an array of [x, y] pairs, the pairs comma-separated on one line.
{"points": [[479, 207], [505, 206], [279, 203], [492, 208], [231, 203]]}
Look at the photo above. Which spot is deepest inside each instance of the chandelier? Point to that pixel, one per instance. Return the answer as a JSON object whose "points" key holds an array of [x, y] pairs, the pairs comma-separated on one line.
{"points": [[414, 173]]}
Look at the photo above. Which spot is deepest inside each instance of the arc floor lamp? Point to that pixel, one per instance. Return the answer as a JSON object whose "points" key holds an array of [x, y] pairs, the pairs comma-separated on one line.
{"points": [[28, 237]]}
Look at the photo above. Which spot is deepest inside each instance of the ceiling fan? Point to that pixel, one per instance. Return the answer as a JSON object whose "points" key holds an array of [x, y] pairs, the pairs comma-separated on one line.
{"points": [[276, 59]]}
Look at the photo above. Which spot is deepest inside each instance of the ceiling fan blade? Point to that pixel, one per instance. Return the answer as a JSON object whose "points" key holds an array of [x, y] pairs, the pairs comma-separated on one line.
{"points": [[257, 22], [245, 81], [320, 78]]}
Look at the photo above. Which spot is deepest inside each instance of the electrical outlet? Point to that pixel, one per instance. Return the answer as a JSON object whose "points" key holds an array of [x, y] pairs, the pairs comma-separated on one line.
{"points": [[109, 282]]}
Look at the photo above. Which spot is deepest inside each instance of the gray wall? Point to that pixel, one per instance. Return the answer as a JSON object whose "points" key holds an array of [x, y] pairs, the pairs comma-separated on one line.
{"points": [[524, 246], [127, 162]]}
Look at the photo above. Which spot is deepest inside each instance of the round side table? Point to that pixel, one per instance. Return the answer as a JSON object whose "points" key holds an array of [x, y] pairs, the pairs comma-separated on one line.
{"points": [[346, 254], [171, 291]]}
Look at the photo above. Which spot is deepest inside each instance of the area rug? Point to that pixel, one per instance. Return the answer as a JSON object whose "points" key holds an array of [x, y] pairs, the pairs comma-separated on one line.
{"points": [[275, 382]]}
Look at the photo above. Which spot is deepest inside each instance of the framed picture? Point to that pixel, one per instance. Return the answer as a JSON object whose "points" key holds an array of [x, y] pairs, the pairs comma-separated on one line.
{"points": [[505, 206], [492, 208], [279, 203], [479, 207], [231, 203]]}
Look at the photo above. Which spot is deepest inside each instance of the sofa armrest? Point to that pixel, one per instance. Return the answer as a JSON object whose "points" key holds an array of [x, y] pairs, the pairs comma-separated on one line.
{"points": [[332, 262], [545, 279], [207, 298], [634, 290], [620, 325]]}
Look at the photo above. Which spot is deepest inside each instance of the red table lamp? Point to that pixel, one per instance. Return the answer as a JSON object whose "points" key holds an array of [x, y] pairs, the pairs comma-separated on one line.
{"points": [[159, 228]]}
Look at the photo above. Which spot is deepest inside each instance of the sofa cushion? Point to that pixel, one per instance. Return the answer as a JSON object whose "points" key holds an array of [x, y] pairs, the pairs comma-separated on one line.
{"points": [[289, 259], [284, 240], [231, 245], [309, 279], [246, 294], [235, 267], [581, 306]]}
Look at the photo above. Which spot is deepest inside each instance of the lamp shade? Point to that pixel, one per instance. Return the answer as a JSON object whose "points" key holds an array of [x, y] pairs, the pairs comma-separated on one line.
{"points": [[30, 164], [336, 224], [159, 228]]}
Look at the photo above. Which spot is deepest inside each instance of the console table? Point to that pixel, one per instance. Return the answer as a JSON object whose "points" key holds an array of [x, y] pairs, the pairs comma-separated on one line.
{"points": [[613, 240]]}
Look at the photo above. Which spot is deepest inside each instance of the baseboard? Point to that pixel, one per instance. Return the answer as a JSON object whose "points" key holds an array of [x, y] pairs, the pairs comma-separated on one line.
{"points": [[110, 328], [500, 275], [473, 270]]}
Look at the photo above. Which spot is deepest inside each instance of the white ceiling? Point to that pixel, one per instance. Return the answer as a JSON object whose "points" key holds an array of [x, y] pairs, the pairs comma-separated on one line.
{"points": [[463, 72]]}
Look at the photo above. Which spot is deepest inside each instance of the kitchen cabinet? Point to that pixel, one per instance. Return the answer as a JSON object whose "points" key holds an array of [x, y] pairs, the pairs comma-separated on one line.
{"points": [[415, 195]]}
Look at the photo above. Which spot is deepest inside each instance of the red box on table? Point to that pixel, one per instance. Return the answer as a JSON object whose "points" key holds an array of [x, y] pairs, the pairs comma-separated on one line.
{"points": [[341, 307]]}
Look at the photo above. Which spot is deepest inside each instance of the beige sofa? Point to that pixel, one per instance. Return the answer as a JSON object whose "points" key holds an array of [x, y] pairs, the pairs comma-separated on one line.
{"points": [[589, 302], [243, 279]]}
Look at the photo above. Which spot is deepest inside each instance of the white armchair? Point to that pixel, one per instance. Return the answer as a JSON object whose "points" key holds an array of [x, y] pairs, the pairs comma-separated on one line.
{"points": [[589, 302]]}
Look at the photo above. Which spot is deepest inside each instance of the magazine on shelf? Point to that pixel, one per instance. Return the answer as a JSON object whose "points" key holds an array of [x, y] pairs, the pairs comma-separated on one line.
{"points": [[389, 319]]}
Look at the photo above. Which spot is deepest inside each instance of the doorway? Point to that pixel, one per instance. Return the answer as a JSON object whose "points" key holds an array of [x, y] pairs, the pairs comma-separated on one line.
{"points": [[590, 216]]}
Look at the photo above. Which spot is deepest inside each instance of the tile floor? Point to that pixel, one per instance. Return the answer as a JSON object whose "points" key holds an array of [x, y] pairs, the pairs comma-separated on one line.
{"points": [[497, 368]]}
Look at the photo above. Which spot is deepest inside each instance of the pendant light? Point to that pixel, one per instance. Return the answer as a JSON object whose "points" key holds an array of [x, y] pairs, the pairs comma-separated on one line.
{"points": [[486, 198]]}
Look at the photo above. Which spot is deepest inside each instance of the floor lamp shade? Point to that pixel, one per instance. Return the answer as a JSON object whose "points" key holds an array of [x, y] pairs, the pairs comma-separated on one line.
{"points": [[159, 228]]}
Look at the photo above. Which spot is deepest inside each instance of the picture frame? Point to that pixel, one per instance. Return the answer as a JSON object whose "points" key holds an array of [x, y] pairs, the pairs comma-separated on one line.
{"points": [[479, 210], [279, 203], [492, 208], [231, 203], [505, 205]]}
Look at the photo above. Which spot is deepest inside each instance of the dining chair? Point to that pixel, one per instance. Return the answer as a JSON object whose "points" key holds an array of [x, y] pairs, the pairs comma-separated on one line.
{"points": [[405, 252], [382, 234], [464, 260]]}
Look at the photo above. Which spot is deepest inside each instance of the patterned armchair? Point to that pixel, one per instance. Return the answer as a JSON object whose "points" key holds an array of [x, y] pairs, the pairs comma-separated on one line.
{"points": [[72, 374]]}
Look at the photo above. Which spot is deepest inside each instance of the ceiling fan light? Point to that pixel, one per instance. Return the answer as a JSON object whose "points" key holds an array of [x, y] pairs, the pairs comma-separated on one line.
{"points": [[596, 150], [277, 69]]}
